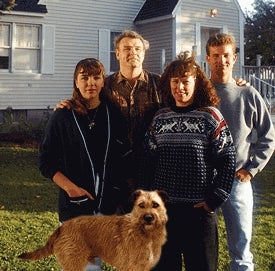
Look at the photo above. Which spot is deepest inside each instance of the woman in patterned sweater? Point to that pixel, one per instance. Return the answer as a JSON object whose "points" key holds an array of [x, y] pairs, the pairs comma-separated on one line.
{"points": [[192, 151]]}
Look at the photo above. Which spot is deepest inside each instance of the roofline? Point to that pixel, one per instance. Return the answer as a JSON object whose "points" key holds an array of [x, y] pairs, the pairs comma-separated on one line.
{"points": [[23, 13], [159, 18], [156, 19], [239, 7]]}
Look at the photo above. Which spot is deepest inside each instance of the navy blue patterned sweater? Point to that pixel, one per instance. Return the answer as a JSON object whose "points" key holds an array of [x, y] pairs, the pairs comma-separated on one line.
{"points": [[193, 155]]}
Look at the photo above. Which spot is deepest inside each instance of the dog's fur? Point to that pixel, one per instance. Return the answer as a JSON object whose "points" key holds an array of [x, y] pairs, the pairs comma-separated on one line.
{"points": [[130, 242]]}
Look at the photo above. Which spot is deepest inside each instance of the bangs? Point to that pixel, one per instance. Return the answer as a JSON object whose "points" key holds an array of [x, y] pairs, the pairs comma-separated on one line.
{"points": [[90, 70], [90, 66]]}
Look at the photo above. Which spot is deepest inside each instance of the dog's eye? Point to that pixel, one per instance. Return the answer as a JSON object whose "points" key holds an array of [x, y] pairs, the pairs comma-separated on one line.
{"points": [[141, 205], [155, 205]]}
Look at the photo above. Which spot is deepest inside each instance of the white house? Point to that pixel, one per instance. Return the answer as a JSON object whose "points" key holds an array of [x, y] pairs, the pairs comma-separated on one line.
{"points": [[41, 41]]}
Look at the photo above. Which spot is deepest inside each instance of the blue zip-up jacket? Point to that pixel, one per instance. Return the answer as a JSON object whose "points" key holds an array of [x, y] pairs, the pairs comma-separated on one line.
{"points": [[63, 149]]}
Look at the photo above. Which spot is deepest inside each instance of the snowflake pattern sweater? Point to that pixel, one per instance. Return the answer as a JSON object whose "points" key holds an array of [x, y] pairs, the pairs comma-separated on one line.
{"points": [[193, 154]]}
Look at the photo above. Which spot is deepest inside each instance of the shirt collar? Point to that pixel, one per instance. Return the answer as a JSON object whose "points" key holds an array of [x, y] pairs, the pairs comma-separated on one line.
{"points": [[121, 78]]}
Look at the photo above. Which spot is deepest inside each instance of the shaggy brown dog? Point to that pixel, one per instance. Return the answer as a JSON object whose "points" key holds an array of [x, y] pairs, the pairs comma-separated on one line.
{"points": [[130, 242]]}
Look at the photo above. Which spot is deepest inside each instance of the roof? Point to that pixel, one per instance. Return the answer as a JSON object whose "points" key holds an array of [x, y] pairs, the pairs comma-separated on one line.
{"points": [[156, 8], [29, 6]]}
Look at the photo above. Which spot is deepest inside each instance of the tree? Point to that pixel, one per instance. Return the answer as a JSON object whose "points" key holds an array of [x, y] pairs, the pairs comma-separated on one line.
{"points": [[7, 4], [259, 33]]}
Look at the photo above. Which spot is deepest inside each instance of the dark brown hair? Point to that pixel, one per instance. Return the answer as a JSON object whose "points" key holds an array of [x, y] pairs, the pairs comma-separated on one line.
{"points": [[185, 65], [88, 66]]}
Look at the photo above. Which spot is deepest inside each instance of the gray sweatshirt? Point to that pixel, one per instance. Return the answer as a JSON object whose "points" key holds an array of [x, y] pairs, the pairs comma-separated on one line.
{"points": [[246, 114]]}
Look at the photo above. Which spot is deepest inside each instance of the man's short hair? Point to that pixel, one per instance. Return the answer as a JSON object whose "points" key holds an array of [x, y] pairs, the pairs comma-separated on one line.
{"points": [[220, 39], [133, 35]]}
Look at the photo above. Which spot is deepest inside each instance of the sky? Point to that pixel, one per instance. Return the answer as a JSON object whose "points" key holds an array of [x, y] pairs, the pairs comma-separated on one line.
{"points": [[246, 4]]}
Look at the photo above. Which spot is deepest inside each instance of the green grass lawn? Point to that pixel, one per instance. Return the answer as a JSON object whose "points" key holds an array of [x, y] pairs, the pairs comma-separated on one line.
{"points": [[28, 213]]}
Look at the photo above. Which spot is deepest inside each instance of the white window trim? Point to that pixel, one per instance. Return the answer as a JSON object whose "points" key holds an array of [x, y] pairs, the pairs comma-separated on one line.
{"points": [[47, 51], [14, 48], [104, 48], [21, 13]]}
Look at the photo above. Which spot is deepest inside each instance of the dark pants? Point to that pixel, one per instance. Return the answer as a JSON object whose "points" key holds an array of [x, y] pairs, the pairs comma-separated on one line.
{"points": [[192, 233]]}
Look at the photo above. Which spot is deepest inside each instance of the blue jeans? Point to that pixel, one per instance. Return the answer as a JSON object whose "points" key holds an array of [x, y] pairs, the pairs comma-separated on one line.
{"points": [[94, 267], [237, 212]]}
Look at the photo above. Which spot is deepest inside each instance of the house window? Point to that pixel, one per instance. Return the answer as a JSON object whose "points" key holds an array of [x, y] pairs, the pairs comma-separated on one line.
{"points": [[114, 65], [21, 48], [5, 46], [27, 49], [107, 52]]}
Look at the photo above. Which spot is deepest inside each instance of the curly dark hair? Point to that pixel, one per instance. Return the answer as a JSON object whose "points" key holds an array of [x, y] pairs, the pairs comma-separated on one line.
{"points": [[89, 66], [205, 92]]}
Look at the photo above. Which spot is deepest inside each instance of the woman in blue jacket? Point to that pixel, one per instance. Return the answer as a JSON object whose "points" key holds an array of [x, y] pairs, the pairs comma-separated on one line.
{"points": [[85, 149]]}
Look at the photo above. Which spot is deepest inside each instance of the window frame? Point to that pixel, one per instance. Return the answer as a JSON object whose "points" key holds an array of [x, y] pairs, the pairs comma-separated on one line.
{"points": [[6, 47], [113, 66], [17, 48], [45, 43], [106, 48]]}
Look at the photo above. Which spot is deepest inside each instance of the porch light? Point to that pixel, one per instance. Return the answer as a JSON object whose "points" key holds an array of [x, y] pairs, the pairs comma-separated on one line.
{"points": [[213, 12]]}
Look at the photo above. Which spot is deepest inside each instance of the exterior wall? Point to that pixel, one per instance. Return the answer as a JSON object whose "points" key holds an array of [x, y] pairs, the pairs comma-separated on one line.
{"points": [[189, 28], [76, 36], [194, 22], [161, 44]]}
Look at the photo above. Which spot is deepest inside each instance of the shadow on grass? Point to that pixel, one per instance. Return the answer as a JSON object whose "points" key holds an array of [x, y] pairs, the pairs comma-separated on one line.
{"points": [[28, 197], [22, 187], [263, 189]]}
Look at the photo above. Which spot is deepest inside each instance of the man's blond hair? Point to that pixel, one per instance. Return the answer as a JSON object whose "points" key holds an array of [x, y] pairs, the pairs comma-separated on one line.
{"points": [[220, 39], [133, 35]]}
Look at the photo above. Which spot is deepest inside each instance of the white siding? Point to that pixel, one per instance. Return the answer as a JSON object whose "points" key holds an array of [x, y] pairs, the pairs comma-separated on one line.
{"points": [[228, 19], [187, 30], [77, 27], [158, 40]]}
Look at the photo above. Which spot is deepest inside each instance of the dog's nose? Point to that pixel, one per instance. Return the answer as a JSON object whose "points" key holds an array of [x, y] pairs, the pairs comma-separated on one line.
{"points": [[148, 218]]}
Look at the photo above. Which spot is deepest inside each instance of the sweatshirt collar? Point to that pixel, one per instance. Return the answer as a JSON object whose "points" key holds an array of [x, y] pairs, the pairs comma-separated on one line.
{"points": [[183, 109]]}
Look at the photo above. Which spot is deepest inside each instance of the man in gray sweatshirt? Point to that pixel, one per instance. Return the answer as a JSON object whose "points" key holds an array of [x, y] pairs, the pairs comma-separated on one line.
{"points": [[246, 114]]}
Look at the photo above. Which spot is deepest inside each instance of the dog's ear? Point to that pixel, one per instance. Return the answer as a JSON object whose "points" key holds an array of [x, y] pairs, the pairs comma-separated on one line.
{"points": [[135, 195], [164, 195]]}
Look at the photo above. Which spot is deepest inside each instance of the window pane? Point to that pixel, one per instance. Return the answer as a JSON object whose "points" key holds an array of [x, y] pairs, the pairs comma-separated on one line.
{"points": [[27, 36], [113, 36], [4, 62], [4, 46], [5, 35], [114, 65], [26, 59]]}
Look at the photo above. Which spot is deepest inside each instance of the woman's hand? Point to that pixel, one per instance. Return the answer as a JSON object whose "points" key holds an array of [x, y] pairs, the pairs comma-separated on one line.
{"points": [[71, 188], [204, 206], [63, 104], [241, 82], [243, 175], [76, 192]]}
